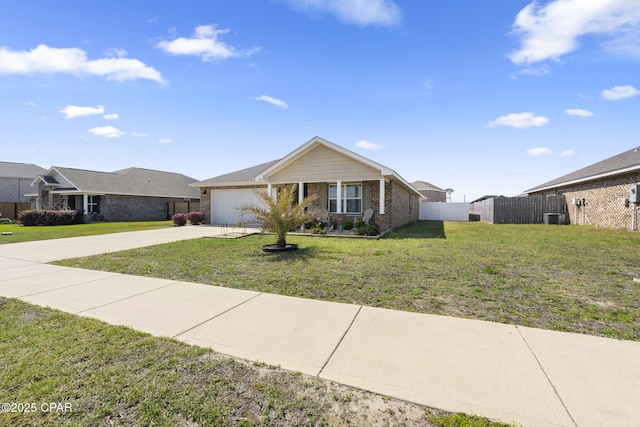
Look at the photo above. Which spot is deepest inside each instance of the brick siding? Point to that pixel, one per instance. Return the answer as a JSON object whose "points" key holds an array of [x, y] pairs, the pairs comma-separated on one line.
{"points": [[603, 199]]}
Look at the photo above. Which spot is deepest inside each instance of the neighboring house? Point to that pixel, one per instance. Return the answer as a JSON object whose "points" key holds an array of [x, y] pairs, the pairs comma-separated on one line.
{"points": [[430, 192], [346, 184], [131, 194], [15, 181], [599, 194]]}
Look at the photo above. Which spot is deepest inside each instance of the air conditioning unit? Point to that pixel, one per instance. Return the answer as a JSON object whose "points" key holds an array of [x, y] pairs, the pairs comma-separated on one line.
{"points": [[634, 193]]}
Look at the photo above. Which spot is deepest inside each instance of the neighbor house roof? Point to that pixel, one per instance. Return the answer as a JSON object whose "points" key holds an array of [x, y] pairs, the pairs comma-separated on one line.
{"points": [[242, 176], [130, 181], [259, 174], [20, 170], [426, 186], [626, 162]]}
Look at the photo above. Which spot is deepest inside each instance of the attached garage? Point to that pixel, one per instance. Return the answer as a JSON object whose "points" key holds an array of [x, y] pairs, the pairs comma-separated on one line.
{"points": [[224, 204]]}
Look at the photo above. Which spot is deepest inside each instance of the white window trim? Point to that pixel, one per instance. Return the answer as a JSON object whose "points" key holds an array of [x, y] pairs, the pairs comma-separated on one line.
{"points": [[92, 203], [341, 197]]}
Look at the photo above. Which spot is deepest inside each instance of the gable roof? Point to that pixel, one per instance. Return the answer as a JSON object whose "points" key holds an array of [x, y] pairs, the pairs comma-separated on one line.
{"points": [[626, 162], [130, 181], [242, 176], [314, 142], [426, 186], [20, 170], [259, 174]]}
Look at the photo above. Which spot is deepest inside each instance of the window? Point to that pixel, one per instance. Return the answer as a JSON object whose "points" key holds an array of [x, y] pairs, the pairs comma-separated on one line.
{"points": [[93, 204], [351, 198]]}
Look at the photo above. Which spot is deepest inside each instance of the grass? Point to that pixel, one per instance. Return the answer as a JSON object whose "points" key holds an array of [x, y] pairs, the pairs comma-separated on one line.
{"points": [[25, 234], [566, 278], [98, 374]]}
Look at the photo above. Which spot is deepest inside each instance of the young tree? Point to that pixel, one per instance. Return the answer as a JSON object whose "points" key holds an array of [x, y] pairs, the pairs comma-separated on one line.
{"points": [[281, 215]]}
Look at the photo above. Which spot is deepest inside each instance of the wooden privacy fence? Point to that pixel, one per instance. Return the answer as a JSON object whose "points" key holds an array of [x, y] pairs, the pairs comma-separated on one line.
{"points": [[518, 210], [182, 207], [11, 210]]}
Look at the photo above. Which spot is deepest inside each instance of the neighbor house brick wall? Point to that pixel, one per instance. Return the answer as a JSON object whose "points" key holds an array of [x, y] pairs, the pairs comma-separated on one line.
{"points": [[434, 196], [134, 208], [14, 189], [603, 198]]}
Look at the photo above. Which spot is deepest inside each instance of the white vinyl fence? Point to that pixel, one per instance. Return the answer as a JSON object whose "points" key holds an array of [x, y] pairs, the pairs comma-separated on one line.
{"points": [[439, 211]]}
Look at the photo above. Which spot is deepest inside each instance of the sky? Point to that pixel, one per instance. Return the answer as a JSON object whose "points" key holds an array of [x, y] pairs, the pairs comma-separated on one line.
{"points": [[482, 97]]}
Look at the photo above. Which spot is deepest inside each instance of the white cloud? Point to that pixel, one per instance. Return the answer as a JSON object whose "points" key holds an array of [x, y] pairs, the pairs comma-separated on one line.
{"points": [[368, 145], [519, 120], [115, 52], [73, 111], [164, 140], [274, 101], [540, 71], [551, 30], [74, 61], [204, 44], [31, 104], [578, 112], [620, 92], [112, 116], [567, 153], [107, 132], [140, 134], [359, 12], [539, 151]]}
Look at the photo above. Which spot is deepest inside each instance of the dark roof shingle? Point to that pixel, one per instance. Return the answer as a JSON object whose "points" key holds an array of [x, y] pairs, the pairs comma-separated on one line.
{"points": [[20, 170], [132, 181], [611, 166]]}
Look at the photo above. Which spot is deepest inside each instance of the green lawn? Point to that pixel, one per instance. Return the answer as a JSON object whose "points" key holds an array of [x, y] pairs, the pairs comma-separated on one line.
{"points": [[567, 278], [96, 374], [25, 234]]}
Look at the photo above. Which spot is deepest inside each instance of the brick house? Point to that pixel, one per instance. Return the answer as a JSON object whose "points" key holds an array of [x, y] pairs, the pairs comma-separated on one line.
{"points": [[599, 194], [346, 183], [430, 192], [131, 194], [15, 181]]}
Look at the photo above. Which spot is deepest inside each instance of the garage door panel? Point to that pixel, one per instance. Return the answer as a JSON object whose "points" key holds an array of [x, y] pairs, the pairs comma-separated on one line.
{"points": [[224, 204]]}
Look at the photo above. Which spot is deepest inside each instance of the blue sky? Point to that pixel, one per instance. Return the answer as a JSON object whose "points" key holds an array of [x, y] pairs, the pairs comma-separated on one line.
{"points": [[485, 97]]}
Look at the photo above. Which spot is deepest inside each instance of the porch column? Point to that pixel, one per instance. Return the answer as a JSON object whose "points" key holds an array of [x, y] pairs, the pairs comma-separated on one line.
{"points": [[339, 196], [300, 192], [269, 190], [85, 203], [382, 196]]}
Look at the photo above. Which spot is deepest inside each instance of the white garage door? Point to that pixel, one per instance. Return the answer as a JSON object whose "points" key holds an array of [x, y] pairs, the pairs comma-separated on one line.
{"points": [[225, 202]]}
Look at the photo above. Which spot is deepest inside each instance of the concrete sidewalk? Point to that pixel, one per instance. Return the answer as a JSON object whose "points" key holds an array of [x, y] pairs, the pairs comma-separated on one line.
{"points": [[515, 374]]}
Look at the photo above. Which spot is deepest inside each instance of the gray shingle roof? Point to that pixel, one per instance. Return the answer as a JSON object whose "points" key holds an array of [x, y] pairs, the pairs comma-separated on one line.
{"points": [[132, 181], [241, 176], [422, 186], [20, 170], [620, 163]]}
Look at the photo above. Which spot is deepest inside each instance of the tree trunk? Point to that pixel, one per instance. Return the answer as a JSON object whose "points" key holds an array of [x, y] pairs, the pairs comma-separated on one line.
{"points": [[282, 241]]}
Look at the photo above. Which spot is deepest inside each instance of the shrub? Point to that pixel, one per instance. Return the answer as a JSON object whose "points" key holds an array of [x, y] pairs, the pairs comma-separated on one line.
{"points": [[48, 217], [195, 218], [360, 223], [347, 224], [180, 219], [372, 229], [318, 230]]}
